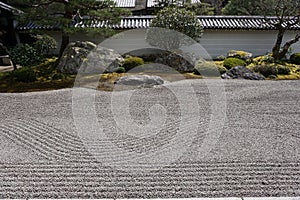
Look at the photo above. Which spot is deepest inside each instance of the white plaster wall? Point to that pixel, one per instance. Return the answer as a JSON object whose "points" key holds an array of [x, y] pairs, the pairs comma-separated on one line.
{"points": [[219, 42], [215, 42]]}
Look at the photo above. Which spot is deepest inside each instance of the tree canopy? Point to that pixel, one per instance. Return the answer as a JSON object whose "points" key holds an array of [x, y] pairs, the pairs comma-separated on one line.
{"points": [[198, 8], [249, 7], [65, 14], [168, 23], [286, 13]]}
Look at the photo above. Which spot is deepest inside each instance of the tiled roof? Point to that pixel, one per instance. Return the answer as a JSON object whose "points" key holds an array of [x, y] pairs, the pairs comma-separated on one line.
{"points": [[208, 22], [132, 3], [10, 8], [151, 3], [125, 3]]}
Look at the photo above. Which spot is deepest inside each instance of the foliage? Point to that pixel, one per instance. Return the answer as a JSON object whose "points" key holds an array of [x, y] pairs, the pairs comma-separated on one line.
{"points": [[221, 69], [261, 60], [25, 55], [295, 58], [167, 3], [174, 27], [284, 70], [286, 14], [272, 77], [57, 76], [66, 15], [209, 69], [249, 7], [24, 74], [233, 62], [266, 70], [200, 8], [46, 68], [46, 78], [44, 43], [121, 70], [132, 62]]}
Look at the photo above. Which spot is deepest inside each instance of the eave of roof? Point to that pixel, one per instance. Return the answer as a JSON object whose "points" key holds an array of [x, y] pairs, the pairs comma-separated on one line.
{"points": [[208, 22], [11, 9], [125, 3], [152, 3]]}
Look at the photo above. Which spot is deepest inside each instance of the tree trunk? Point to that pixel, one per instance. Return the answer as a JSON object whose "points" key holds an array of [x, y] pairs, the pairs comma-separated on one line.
{"points": [[276, 48], [14, 65], [64, 43], [279, 53], [287, 46]]}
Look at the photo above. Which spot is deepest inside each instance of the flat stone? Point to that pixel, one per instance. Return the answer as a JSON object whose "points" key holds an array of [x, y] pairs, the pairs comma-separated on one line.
{"points": [[240, 54], [140, 80]]}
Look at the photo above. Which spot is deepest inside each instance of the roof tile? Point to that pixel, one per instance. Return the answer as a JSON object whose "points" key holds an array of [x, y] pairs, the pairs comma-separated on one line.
{"points": [[208, 22]]}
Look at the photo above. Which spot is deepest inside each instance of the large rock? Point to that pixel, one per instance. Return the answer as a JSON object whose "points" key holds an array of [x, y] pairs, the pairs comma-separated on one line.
{"points": [[139, 81], [74, 55], [177, 62], [89, 57], [241, 72]]}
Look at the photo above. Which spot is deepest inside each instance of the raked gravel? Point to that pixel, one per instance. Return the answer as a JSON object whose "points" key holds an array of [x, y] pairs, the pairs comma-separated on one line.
{"points": [[256, 154]]}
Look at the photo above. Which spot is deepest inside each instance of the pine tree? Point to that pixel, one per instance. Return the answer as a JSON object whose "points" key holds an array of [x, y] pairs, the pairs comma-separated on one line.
{"points": [[64, 15], [286, 12]]}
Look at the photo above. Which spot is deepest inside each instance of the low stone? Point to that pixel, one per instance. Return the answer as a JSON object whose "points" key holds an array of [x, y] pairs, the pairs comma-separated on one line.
{"points": [[140, 80], [241, 72], [240, 54]]}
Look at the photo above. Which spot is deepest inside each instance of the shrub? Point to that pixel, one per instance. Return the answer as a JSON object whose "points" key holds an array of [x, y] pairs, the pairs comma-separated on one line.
{"points": [[261, 60], [233, 62], [132, 62], [221, 69], [272, 77], [209, 69], [46, 68], [295, 58], [24, 74], [162, 32], [25, 55], [57, 76], [266, 70], [44, 43], [284, 70], [120, 70]]}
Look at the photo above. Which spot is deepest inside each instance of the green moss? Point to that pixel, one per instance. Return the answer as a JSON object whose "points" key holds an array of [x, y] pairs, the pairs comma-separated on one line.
{"points": [[209, 69], [36, 78], [233, 62], [266, 70], [295, 58], [121, 70], [132, 62], [24, 74]]}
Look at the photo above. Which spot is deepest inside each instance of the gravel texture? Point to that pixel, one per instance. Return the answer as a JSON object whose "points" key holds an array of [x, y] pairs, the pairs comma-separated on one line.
{"points": [[42, 154]]}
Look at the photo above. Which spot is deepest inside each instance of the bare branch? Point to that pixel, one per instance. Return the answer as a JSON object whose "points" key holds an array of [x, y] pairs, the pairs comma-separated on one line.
{"points": [[292, 41]]}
